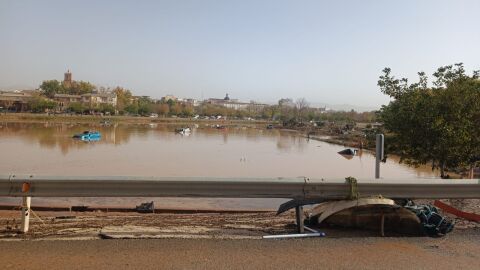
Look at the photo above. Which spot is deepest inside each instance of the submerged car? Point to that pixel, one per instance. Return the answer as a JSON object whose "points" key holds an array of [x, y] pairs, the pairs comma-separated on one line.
{"points": [[184, 131], [88, 136]]}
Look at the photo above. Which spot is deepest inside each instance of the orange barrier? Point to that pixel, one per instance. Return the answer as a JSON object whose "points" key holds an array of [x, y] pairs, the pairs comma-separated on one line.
{"points": [[454, 211]]}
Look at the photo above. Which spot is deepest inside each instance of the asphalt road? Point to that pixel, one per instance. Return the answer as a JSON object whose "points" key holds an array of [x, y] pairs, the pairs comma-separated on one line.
{"points": [[456, 251]]}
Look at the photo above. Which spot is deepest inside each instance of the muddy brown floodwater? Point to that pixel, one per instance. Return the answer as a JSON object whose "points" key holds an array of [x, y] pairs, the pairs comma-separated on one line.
{"points": [[156, 150]]}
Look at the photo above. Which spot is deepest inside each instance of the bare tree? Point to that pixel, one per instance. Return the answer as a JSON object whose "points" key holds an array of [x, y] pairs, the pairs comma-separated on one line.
{"points": [[301, 107]]}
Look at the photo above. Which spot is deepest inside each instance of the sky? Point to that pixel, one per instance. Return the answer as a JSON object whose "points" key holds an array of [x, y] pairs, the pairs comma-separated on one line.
{"points": [[324, 51]]}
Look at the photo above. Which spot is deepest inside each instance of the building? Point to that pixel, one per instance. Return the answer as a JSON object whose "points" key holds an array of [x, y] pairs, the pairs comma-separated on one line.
{"points": [[235, 104], [15, 100], [64, 100], [90, 100], [169, 97], [187, 101], [191, 101], [94, 99]]}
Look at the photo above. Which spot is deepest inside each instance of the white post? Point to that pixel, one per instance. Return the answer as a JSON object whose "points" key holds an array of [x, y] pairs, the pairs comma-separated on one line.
{"points": [[378, 154], [26, 213]]}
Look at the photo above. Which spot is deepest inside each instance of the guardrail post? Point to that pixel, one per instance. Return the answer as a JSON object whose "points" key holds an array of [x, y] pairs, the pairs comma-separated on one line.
{"points": [[299, 218], [378, 154], [26, 213]]}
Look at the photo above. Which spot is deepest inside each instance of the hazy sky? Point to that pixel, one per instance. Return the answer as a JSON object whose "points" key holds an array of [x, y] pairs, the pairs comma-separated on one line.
{"points": [[326, 51]]}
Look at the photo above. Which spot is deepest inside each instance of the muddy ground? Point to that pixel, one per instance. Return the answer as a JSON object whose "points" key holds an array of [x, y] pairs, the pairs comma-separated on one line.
{"points": [[217, 225], [89, 225]]}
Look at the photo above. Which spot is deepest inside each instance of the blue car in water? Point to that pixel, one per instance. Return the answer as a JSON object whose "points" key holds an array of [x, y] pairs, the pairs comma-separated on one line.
{"points": [[88, 136]]}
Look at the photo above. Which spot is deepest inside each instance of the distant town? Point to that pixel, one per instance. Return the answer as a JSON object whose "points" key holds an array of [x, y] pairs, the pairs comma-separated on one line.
{"points": [[84, 98]]}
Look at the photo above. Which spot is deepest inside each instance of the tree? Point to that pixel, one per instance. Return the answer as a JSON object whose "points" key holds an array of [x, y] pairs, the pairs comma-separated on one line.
{"points": [[76, 107], [124, 97], [145, 106], [50, 88], [132, 108], [80, 88], [162, 109], [438, 125], [38, 104], [188, 110], [286, 108], [176, 109], [144, 109], [212, 110], [107, 108], [301, 107], [171, 102], [270, 112], [288, 102]]}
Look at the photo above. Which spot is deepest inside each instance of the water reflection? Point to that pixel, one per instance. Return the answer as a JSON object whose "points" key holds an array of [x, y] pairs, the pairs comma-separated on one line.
{"points": [[289, 142], [59, 135]]}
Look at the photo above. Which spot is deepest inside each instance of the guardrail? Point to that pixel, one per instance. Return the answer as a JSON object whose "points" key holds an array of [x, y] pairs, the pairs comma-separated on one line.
{"points": [[294, 188], [302, 189]]}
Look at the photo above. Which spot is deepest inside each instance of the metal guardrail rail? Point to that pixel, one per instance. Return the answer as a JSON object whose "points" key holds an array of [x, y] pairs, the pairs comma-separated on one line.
{"points": [[293, 188], [302, 189]]}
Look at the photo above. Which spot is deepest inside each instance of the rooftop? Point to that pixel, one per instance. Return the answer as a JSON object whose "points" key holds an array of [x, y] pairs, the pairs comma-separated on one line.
{"points": [[66, 96], [99, 95]]}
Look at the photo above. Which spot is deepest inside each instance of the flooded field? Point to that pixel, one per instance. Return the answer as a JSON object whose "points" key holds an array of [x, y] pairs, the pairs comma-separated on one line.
{"points": [[156, 150]]}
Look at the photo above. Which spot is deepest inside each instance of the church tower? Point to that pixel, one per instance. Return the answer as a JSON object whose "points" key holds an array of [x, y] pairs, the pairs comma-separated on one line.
{"points": [[67, 79]]}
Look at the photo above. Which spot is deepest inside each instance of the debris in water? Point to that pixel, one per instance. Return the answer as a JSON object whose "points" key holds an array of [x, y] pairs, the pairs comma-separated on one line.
{"points": [[348, 151]]}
